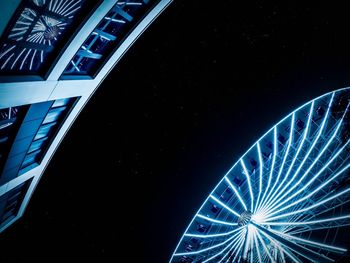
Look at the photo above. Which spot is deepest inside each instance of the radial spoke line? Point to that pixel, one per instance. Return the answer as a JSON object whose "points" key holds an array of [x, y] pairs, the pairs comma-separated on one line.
{"points": [[269, 204], [272, 167], [239, 248], [7, 60], [294, 209], [308, 228], [264, 246], [311, 243], [320, 221], [25, 58], [231, 247], [260, 175], [251, 254], [309, 207], [217, 221], [281, 251], [234, 242], [314, 162], [319, 133], [208, 248], [301, 250], [272, 193], [312, 179], [20, 54], [7, 50], [213, 235], [246, 244], [225, 206], [313, 192], [249, 185], [326, 210], [257, 248], [236, 192], [295, 259]]}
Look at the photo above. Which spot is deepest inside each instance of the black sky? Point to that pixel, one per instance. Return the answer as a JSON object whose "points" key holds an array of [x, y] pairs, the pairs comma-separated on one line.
{"points": [[198, 88]]}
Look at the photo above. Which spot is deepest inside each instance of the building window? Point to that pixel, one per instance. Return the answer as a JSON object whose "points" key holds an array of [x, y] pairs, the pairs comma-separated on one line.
{"points": [[106, 37], [11, 202], [10, 119], [46, 132], [38, 32]]}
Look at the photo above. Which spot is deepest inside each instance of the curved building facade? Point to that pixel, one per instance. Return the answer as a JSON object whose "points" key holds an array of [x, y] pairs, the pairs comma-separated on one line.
{"points": [[53, 56], [286, 199]]}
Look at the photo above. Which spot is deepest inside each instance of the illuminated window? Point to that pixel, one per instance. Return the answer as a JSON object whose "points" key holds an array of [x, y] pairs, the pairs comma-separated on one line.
{"points": [[39, 30], [109, 33], [11, 202], [48, 128], [9, 124]]}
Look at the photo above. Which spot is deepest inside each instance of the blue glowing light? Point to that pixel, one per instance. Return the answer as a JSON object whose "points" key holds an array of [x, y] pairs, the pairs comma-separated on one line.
{"points": [[287, 199]]}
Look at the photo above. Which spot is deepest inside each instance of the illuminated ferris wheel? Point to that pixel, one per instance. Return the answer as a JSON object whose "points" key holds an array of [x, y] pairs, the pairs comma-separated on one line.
{"points": [[286, 199]]}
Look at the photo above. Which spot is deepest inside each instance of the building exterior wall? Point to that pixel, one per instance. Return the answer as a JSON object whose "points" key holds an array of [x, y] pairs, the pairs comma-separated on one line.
{"points": [[35, 93]]}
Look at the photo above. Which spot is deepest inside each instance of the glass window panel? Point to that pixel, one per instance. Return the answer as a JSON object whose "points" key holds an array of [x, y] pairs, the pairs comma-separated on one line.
{"points": [[107, 36], [54, 115], [48, 128], [37, 144], [31, 158], [44, 131], [60, 102], [38, 33]]}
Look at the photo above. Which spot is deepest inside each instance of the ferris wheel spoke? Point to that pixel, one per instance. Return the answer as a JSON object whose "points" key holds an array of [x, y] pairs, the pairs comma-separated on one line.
{"points": [[264, 246], [224, 205], [275, 191], [234, 243], [213, 235], [245, 171], [337, 221], [232, 248], [236, 192], [300, 250], [306, 197], [208, 248], [315, 141], [215, 221], [304, 187], [299, 229], [300, 146], [283, 250], [308, 208], [315, 161], [286, 199], [256, 243], [237, 255], [261, 167], [272, 167], [311, 243]]}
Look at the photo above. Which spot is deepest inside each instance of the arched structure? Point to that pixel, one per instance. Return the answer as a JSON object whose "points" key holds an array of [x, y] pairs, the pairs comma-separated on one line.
{"points": [[53, 56], [286, 199]]}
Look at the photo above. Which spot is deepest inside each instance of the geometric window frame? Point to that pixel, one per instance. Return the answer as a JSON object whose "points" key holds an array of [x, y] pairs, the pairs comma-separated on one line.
{"points": [[37, 34], [106, 38], [53, 127]]}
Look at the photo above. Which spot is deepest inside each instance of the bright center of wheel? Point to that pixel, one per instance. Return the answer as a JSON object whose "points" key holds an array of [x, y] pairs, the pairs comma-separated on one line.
{"points": [[244, 218], [51, 32]]}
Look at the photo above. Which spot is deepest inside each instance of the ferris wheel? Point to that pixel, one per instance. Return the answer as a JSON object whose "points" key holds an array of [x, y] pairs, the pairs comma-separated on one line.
{"points": [[286, 199]]}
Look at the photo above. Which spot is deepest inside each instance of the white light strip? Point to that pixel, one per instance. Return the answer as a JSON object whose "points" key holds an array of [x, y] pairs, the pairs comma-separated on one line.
{"points": [[236, 192], [249, 185], [225, 206]]}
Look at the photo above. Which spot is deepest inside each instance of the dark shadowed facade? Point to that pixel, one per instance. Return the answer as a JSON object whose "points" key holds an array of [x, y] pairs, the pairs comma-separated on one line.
{"points": [[53, 56]]}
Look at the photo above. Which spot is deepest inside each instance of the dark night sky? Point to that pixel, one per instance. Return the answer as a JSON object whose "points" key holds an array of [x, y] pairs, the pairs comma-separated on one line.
{"points": [[201, 85]]}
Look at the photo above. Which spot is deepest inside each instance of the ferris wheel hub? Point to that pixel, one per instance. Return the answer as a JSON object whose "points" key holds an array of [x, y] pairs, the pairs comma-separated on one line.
{"points": [[244, 218]]}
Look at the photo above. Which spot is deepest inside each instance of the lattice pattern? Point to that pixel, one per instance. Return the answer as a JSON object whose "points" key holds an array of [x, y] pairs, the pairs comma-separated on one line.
{"points": [[294, 185]]}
